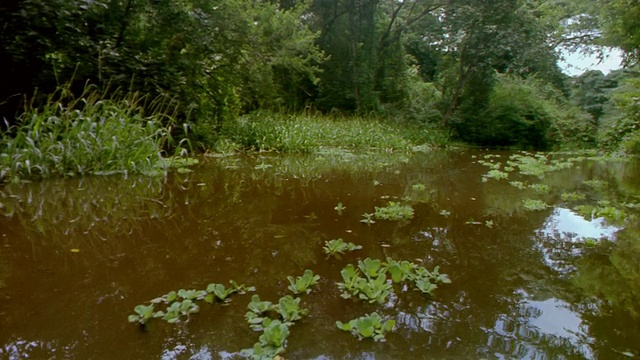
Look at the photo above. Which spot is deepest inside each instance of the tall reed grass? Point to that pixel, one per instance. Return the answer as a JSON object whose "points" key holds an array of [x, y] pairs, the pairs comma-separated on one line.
{"points": [[82, 135], [266, 131]]}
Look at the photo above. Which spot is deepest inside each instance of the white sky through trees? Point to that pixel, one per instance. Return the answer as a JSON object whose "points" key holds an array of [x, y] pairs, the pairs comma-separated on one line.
{"points": [[577, 63]]}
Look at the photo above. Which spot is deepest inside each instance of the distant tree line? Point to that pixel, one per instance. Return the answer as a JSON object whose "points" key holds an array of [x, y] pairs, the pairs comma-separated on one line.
{"points": [[446, 62]]}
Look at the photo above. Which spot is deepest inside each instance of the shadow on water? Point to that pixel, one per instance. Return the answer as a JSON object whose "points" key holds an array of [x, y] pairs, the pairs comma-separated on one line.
{"points": [[77, 255]]}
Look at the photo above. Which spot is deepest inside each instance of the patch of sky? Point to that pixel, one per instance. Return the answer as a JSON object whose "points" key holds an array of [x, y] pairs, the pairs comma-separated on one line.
{"points": [[576, 63]]}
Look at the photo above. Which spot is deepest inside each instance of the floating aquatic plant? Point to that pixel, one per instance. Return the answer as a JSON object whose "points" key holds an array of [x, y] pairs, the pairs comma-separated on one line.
{"points": [[302, 284], [369, 280], [611, 214], [518, 184], [394, 211], [183, 302], [574, 196], [142, 314], [534, 204], [178, 309], [272, 341], [491, 164], [368, 326], [290, 310], [367, 219], [494, 174], [257, 312], [274, 322], [338, 246], [340, 208], [540, 188]]}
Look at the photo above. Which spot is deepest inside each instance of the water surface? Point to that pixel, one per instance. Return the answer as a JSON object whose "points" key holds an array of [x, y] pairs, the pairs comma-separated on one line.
{"points": [[76, 256]]}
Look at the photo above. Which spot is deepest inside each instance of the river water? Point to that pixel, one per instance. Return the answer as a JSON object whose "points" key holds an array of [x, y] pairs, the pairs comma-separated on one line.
{"points": [[563, 282]]}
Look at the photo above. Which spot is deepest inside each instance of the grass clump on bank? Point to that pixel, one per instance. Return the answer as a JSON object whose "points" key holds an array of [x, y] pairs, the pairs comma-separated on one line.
{"points": [[310, 133], [85, 135]]}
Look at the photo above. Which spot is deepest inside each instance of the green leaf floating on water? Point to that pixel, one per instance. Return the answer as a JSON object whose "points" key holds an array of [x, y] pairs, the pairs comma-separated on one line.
{"points": [[289, 309], [370, 267], [220, 291], [142, 314], [259, 307], [338, 246], [368, 326], [184, 302], [302, 284], [364, 327]]}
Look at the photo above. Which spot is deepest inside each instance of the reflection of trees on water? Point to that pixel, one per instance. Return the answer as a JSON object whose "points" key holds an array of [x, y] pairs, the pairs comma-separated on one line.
{"points": [[95, 208]]}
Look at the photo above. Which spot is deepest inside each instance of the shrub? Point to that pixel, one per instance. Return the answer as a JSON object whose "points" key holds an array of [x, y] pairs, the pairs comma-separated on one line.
{"points": [[622, 130], [525, 113]]}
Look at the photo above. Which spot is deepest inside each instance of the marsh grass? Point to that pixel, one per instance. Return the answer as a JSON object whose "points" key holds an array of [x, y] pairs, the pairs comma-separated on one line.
{"points": [[315, 133], [82, 135]]}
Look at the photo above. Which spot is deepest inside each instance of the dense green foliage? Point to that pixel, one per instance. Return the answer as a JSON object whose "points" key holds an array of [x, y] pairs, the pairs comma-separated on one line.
{"points": [[87, 135], [268, 131], [486, 71]]}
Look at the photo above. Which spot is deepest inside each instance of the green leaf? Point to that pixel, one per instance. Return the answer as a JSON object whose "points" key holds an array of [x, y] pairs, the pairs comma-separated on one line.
{"points": [[209, 298], [365, 327], [143, 312], [397, 275], [171, 296], [258, 306], [425, 286], [388, 325], [370, 267]]}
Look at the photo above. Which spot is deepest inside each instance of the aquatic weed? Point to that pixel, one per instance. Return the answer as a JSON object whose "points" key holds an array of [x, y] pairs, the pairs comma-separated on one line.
{"points": [[339, 246], [368, 326], [394, 211], [534, 204]]}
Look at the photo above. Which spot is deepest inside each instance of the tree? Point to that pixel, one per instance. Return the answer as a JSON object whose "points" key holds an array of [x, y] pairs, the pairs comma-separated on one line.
{"points": [[620, 23], [480, 39], [215, 58], [348, 36]]}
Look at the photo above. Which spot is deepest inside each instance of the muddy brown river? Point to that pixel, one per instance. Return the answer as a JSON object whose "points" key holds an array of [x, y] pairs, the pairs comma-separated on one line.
{"points": [[561, 281]]}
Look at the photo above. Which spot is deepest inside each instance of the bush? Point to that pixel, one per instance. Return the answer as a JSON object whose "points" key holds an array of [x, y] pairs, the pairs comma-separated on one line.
{"points": [[621, 131], [572, 128], [515, 116], [525, 113]]}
